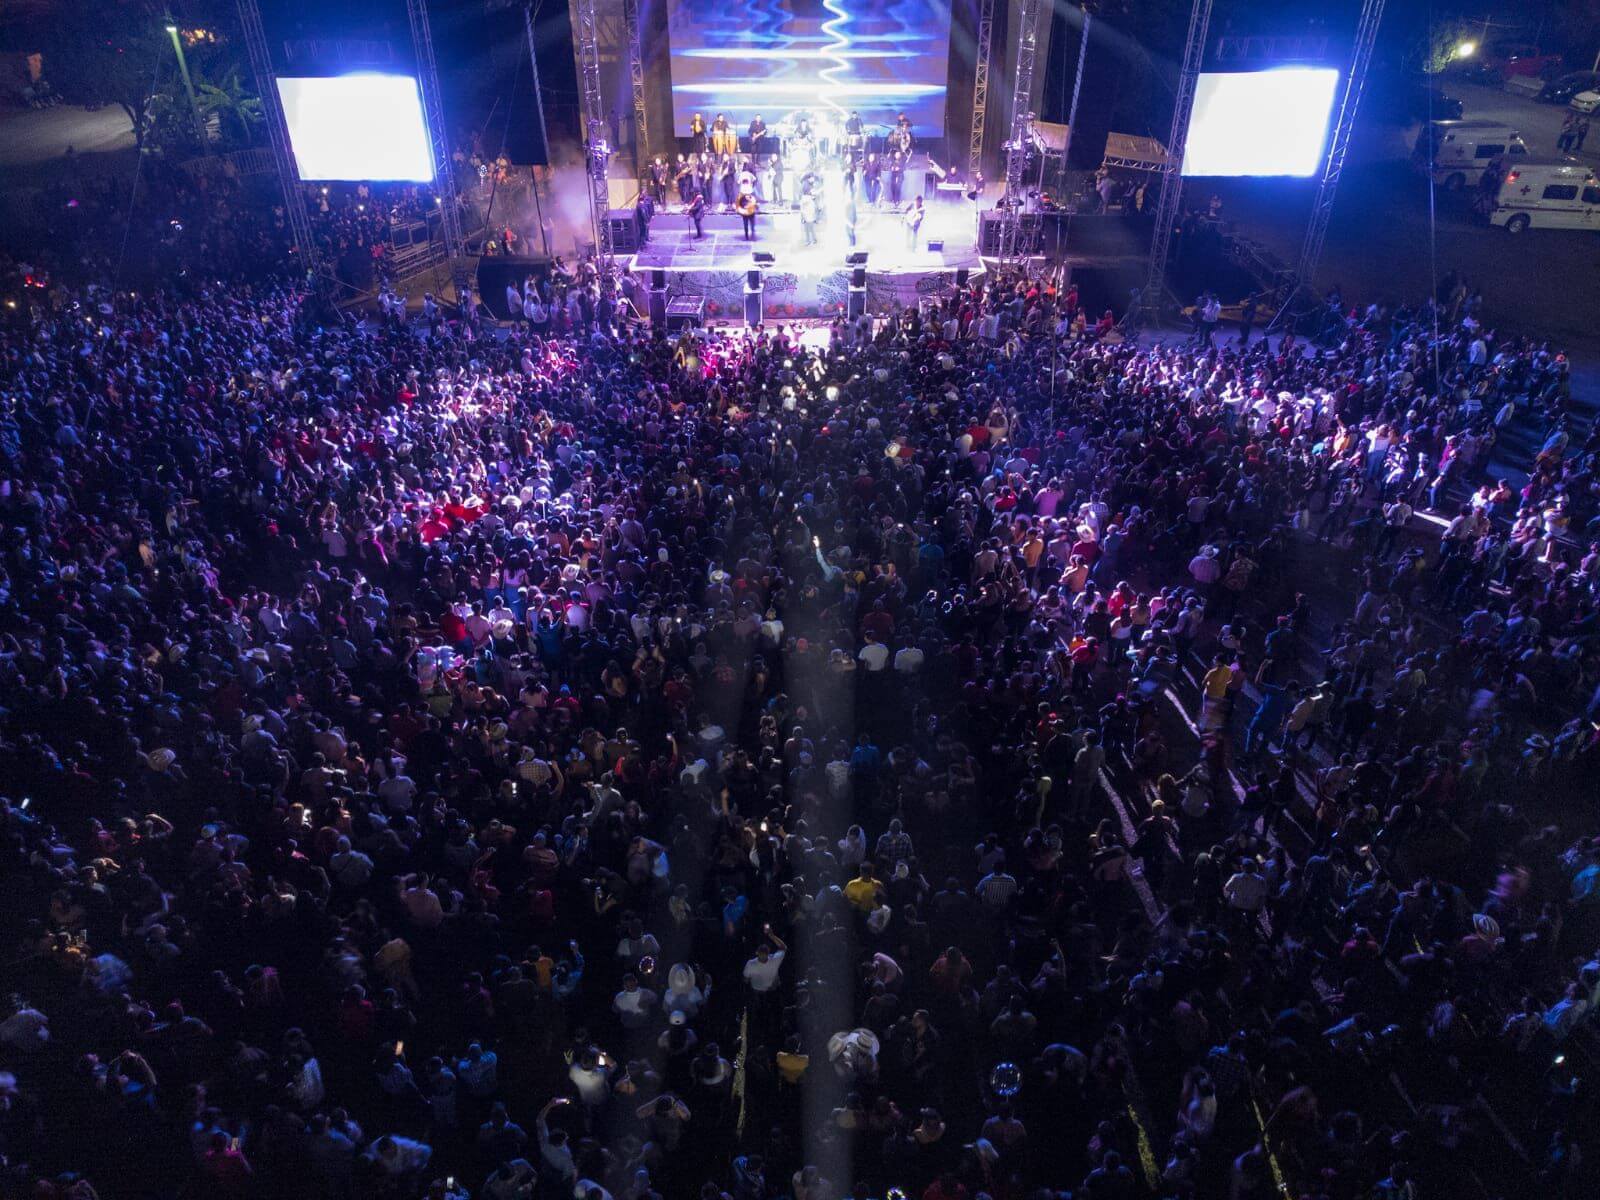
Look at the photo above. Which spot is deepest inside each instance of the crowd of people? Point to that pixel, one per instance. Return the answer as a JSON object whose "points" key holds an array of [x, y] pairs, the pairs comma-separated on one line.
{"points": [[968, 754]]}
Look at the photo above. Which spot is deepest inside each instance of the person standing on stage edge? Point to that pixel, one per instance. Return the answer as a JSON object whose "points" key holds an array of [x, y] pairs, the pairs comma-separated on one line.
{"points": [[808, 216], [747, 208], [697, 212], [913, 219]]}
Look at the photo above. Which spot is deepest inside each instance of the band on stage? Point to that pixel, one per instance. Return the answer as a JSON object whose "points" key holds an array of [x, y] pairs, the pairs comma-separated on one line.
{"points": [[786, 165]]}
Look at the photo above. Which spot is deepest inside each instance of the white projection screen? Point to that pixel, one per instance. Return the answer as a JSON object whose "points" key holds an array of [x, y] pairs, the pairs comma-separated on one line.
{"points": [[357, 127], [1260, 122]]}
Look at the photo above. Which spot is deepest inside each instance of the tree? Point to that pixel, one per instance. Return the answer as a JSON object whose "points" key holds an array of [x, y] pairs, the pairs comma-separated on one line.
{"points": [[100, 52], [1446, 36], [237, 109]]}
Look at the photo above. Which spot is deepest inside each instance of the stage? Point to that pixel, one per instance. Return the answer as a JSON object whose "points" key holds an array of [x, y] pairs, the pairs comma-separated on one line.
{"points": [[811, 281]]}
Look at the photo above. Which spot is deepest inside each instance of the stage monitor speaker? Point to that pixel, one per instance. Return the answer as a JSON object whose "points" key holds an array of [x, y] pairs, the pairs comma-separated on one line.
{"points": [[685, 312], [856, 258], [962, 275], [858, 277], [763, 258], [936, 245], [855, 302], [658, 277], [624, 224], [656, 299], [752, 306], [752, 278], [495, 271]]}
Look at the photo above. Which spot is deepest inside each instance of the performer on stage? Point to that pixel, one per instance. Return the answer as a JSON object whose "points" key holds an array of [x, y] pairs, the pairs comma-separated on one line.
{"points": [[903, 129], [872, 177], [775, 179], [697, 134], [758, 137], [913, 220], [723, 139], [697, 212], [897, 177], [747, 177], [706, 178], [808, 216], [748, 206], [855, 138], [684, 178], [729, 180], [658, 181]]}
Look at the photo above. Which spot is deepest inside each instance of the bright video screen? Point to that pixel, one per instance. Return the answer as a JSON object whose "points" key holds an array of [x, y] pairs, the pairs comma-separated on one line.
{"points": [[880, 58], [1260, 122], [357, 127]]}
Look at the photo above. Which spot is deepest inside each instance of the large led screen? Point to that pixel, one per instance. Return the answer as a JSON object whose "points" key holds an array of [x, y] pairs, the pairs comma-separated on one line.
{"points": [[357, 127], [1260, 122], [880, 58]]}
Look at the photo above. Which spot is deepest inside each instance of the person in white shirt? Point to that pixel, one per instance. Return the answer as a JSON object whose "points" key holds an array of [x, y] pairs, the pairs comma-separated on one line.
{"points": [[397, 793], [1246, 891], [908, 660], [761, 972], [421, 902], [874, 655]]}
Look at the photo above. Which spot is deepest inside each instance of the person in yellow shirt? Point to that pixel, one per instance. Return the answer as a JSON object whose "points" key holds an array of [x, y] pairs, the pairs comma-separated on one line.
{"points": [[792, 1062], [1218, 679], [864, 891]]}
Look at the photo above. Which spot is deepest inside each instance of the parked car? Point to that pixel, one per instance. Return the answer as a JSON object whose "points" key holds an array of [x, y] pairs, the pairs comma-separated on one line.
{"points": [[1422, 100], [1505, 59], [1563, 88], [1584, 102]]}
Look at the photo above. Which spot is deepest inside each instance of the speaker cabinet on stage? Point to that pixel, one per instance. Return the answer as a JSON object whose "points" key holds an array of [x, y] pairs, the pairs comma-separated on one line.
{"points": [[624, 224], [685, 312], [991, 226], [855, 301], [656, 299], [495, 271], [752, 305], [658, 278], [858, 277], [962, 275]]}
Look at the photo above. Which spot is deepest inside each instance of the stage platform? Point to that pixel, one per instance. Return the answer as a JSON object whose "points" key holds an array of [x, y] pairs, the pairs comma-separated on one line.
{"points": [[809, 281]]}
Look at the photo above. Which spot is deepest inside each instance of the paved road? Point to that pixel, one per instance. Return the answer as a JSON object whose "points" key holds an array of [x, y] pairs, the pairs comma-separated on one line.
{"points": [[1390, 238], [32, 136]]}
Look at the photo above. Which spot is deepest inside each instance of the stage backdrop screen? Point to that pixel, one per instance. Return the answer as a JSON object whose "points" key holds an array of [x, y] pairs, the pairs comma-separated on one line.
{"points": [[1260, 122], [878, 57], [357, 127]]}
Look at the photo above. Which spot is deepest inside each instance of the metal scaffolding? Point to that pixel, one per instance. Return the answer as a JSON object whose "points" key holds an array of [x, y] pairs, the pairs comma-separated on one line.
{"points": [[594, 124], [444, 169], [294, 205], [1021, 120], [528, 19], [641, 115], [1338, 148], [1155, 286], [1077, 84], [980, 89]]}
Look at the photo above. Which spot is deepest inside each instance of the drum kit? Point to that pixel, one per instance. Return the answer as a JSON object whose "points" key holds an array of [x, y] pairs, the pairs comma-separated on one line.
{"points": [[806, 138]]}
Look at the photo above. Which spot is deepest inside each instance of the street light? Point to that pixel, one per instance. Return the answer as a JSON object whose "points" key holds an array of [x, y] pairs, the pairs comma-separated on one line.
{"points": [[1466, 49], [188, 87]]}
